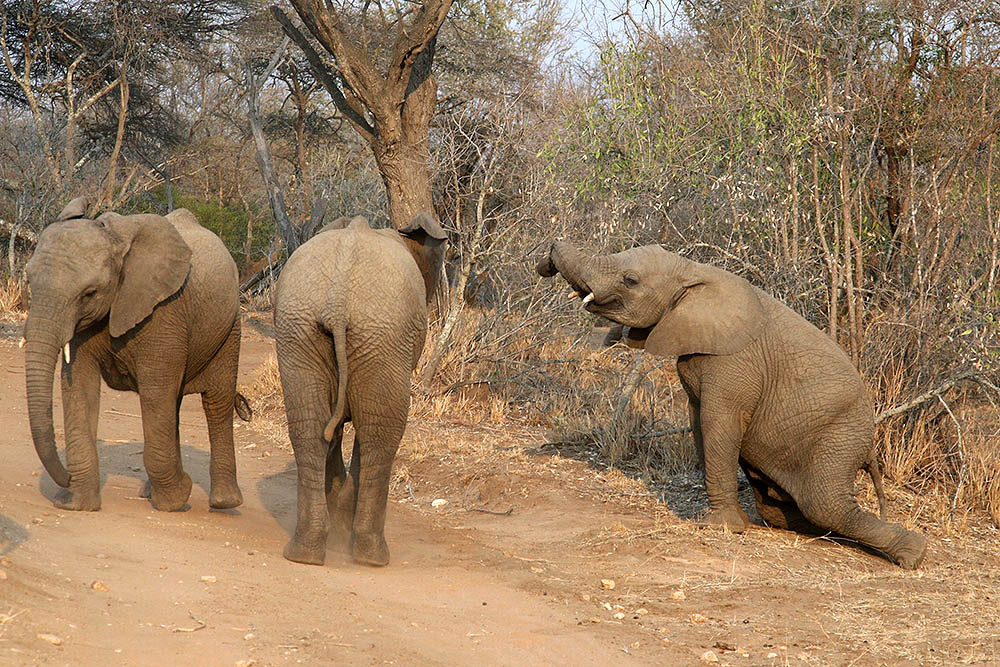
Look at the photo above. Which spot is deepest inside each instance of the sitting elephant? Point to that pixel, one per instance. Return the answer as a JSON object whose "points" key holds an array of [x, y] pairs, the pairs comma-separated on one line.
{"points": [[350, 318], [151, 304], [767, 390]]}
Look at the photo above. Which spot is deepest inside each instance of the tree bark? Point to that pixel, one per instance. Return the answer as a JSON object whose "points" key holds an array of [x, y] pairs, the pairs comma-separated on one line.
{"points": [[391, 111]]}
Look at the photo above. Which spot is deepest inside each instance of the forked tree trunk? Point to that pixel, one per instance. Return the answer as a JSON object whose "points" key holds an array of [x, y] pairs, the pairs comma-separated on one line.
{"points": [[391, 109]]}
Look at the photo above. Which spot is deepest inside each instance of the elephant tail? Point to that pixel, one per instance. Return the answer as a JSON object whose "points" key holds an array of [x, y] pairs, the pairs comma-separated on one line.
{"points": [[876, 474], [339, 331], [242, 407]]}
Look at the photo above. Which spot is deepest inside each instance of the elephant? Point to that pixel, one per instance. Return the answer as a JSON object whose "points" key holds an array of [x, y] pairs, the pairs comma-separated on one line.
{"points": [[767, 391], [350, 318], [151, 305]]}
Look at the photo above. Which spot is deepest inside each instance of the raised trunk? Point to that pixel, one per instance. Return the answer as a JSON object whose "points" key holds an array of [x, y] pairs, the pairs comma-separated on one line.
{"points": [[582, 271], [41, 351]]}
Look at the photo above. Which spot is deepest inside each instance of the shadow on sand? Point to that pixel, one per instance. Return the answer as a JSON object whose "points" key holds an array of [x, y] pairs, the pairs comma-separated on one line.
{"points": [[12, 535], [125, 459]]}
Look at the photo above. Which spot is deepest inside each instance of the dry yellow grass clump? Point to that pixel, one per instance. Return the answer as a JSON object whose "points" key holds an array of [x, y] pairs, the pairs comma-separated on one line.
{"points": [[13, 297]]}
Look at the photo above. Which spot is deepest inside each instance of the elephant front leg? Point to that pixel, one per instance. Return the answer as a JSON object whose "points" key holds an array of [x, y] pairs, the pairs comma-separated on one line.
{"points": [[169, 485], [81, 394], [721, 434]]}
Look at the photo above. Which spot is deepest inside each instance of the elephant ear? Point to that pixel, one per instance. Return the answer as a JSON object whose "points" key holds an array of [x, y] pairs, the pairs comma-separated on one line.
{"points": [[422, 228], [424, 239], [155, 265], [77, 208], [712, 312]]}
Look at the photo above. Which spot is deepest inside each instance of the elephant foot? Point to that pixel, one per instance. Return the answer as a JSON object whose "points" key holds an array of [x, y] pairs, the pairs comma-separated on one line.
{"points": [[370, 549], [171, 498], [299, 553], [78, 500], [225, 496], [733, 518], [911, 550]]}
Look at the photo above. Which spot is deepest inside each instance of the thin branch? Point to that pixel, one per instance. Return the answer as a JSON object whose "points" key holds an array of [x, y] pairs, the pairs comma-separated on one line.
{"points": [[934, 393], [322, 72]]}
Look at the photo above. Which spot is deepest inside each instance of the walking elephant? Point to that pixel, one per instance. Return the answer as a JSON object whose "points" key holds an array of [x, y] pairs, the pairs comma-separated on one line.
{"points": [[767, 390], [350, 319], [150, 304]]}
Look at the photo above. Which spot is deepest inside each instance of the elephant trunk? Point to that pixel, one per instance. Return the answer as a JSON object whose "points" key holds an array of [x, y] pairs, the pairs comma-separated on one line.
{"points": [[42, 348], [586, 274]]}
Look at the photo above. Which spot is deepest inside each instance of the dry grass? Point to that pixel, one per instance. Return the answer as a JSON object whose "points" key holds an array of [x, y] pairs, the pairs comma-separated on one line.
{"points": [[569, 385], [267, 403], [261, 299], [943, 449], [13, 298]]}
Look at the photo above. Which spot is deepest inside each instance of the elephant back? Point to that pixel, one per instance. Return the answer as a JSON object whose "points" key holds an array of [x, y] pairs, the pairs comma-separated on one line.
{"points": [[368, 276], [806, 361], [211, 295]]}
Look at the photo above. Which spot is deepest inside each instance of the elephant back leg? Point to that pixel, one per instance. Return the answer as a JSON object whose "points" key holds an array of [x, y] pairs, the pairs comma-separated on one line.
{"points": [[341, 489], [826, 497], [217, 399], [379, 395], [305, 362], [775, 506]]}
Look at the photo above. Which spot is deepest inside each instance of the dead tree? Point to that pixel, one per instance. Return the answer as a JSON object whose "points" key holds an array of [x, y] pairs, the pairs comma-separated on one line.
{"points": [[389, 101]]}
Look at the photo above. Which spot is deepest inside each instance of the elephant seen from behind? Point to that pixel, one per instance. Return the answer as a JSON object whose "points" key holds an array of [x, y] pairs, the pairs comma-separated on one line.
{"points": [[350, 319], [151, 305], [767, 391]]}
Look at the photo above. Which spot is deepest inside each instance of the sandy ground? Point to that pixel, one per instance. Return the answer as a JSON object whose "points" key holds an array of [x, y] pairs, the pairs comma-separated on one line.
{"points": [[538, 557]]}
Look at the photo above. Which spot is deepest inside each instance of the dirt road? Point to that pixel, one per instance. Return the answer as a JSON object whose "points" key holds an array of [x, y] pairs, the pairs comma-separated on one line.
{"points": [[508, 571]]}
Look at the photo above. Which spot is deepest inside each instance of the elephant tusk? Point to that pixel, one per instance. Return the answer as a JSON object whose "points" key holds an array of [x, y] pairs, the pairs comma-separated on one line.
{"points": [[21, 342], [587, 299], [66, 353], [572, 295]]}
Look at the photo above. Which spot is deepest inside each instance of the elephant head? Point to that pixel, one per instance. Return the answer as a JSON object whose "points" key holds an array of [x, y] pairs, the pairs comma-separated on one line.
{"points": [[116, 268], [672, 306]]}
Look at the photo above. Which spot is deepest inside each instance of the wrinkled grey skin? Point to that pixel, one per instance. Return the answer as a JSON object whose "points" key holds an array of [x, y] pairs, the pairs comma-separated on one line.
{"points": [[151, 305], [768, 391], [350, 319]]}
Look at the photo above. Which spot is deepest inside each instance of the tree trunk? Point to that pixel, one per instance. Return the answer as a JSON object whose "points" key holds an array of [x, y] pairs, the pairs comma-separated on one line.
{"points": [[401, 147], [400, 102]]}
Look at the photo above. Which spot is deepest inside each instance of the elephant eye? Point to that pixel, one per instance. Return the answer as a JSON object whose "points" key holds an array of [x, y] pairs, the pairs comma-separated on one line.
{"points": [[89, 293], [630, 280]]}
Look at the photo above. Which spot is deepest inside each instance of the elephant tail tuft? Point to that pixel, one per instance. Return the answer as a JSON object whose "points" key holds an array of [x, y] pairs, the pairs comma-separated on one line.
{"points": [[339, 331], [876, 474], [242, 407]]}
